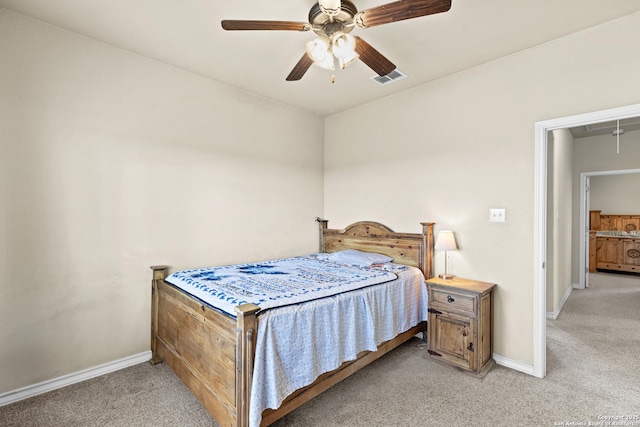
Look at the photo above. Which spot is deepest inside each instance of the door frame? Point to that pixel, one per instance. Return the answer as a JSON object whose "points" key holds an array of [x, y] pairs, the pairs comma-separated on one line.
{"points": [[585, 218], [542, 128]]}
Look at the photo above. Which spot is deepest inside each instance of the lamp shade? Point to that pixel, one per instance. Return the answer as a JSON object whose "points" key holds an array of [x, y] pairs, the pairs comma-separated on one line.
{"points": [[446, 241], [343, 47], [320, 53]]}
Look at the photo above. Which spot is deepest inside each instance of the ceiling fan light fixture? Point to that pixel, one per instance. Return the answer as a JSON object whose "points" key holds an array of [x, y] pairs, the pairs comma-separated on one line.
{"points": [[319, 50], [343, 44], [343, 47], [332, 20], [327, 64], [344, 62]]}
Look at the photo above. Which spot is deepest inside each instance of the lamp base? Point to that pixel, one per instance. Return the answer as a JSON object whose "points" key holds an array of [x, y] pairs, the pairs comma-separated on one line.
{"points": [[446, 276]]}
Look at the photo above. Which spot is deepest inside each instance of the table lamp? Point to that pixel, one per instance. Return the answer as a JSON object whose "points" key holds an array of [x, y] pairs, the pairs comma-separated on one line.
{"points": [[446, 242]]}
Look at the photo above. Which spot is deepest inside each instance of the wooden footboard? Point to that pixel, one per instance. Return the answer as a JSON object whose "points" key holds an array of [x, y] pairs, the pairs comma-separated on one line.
{"points": [[213, 353], [210, 352]]}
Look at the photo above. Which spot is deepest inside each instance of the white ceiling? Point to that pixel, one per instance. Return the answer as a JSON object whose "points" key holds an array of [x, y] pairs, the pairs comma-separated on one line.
{"points": [[187, 34]]}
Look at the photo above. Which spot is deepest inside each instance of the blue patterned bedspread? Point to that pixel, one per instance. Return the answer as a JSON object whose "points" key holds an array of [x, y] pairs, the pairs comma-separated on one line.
{"points": [[276, 283]]}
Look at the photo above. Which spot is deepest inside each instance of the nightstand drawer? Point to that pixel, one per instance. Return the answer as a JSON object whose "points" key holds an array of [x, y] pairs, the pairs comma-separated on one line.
{"points": [[453, 301]]}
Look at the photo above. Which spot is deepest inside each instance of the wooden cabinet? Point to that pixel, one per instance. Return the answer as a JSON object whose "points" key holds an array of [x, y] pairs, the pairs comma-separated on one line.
{"points": [[593, 249], [599, 221], [614, 242], [594, 220], [607, 251], [618, 254], [629, 223], [631, 254], [460, 327]]}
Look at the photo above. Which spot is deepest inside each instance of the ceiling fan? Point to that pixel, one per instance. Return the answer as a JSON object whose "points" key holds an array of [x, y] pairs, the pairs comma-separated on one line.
{"points": [[333, 20]]}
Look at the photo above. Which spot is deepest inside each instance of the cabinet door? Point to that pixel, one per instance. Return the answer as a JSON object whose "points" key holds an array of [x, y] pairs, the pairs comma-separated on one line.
{"points": [[631, 252], [607, 250], [451, 337]]}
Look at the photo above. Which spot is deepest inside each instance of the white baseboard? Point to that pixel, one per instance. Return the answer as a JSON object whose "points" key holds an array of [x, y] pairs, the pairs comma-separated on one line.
{"points": [[96, 371], [76, 377], [553, 315], [513, 364]]}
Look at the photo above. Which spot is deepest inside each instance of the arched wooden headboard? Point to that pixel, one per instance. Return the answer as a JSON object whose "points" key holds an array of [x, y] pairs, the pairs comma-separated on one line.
{"points": [[414, 249]]}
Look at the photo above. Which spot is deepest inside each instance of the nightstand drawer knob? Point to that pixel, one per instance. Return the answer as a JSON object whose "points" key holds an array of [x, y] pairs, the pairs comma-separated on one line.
{"points": [[470, 346], [450, 299]]}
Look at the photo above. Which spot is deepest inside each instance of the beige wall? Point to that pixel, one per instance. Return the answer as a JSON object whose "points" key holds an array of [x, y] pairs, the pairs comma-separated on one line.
{"points": [[597, 154], [110, 163], [559, 214], [616, 194], [451, 149]]}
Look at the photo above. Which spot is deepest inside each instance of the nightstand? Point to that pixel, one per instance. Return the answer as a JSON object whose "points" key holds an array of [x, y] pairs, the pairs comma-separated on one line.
{"points": [[460, 324]]}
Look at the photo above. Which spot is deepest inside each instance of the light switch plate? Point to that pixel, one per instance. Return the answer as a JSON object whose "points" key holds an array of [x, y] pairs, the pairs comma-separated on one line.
{"points": [[497, 215]]}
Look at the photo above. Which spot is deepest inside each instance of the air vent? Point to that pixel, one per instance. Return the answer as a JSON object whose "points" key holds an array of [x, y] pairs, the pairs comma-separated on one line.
{"points": [[393, 76]]}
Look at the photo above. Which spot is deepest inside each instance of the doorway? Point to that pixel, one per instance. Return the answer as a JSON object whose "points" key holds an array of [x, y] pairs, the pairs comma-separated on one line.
{"points": [[540, 217], [585, 177]]}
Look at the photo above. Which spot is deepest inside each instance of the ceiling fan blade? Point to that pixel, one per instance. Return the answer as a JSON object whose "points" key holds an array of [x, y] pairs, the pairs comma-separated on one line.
{"points": [[301, 67], [400, 10], [230, 24], [374, 59]]}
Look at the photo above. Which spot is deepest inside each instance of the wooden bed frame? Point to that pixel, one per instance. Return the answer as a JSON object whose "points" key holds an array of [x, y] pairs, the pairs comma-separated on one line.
{"points": [[213, 353]]}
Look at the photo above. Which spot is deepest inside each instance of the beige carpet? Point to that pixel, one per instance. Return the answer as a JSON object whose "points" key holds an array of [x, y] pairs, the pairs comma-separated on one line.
{"points": [[592, 363]]}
